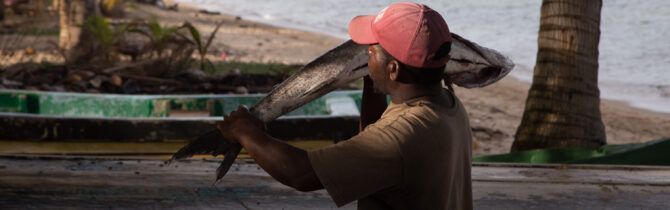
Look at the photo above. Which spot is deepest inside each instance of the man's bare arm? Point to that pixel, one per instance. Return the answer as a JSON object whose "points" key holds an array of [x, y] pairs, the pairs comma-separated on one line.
{"points": [[288, 164]]}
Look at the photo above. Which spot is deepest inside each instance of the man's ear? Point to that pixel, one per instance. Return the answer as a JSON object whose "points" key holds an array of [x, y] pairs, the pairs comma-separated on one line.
{"points": [[393, 69]]}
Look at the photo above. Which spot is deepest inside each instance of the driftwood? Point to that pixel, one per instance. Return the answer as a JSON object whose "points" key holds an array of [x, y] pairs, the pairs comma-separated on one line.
{"points": [[125, 66], [129, 78], [148, 78]]}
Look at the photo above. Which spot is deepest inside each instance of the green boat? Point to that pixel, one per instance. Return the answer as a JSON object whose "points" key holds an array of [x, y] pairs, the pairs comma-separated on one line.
{"points": [[39, 115], [337, 103]]}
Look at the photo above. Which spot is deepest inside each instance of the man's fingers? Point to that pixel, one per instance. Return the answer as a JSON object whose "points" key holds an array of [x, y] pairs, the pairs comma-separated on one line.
{"points": [[223, 124], [226, 119], [242, 109]]}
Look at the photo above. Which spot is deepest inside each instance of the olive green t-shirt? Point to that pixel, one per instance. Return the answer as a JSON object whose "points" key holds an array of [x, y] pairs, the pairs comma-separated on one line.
{"points": [[416, 156]]}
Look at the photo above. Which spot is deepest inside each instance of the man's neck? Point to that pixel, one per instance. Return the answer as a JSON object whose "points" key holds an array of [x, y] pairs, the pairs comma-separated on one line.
{"points": [[406, 92]]}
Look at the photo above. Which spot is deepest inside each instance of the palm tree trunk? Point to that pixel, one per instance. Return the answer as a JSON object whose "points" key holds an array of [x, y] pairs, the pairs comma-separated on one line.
{"points": [[2, 10], [73, 40], [72, 15], [563, 104]]}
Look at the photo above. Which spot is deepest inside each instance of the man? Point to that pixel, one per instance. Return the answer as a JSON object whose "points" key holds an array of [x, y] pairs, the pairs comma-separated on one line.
{"points": [[415, 154]]}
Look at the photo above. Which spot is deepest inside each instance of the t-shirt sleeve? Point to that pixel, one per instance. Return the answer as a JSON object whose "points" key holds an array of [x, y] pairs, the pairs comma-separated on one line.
{"points": [[360, 166]]}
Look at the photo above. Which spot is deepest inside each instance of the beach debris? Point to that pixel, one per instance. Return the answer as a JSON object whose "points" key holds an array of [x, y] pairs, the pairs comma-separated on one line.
{"points": [[160, 4], [241, 90], [85, 74], [30, 51], [133, 80], [7, 82], [58, 88], [116, 80], [193, 74], [207, 86], [226, 74], [73, 78], [96, 82], [207, 12], [174, 7]]}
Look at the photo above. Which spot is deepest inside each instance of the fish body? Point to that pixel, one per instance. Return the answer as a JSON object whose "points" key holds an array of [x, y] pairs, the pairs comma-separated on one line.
{"points": [[470, 66]]}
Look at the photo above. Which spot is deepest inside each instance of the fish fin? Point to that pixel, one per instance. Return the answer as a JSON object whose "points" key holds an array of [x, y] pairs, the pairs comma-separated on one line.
{"points": [[212, 142], [228, 161]]}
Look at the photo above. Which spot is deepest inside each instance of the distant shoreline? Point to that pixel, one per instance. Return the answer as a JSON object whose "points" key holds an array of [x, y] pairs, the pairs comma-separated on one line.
{"points": [[279, 24]]}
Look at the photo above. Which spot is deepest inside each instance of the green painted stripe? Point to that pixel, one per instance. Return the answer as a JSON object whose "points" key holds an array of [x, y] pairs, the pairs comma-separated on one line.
{"points": [[133, 106], [647, 153], [12, 102]]}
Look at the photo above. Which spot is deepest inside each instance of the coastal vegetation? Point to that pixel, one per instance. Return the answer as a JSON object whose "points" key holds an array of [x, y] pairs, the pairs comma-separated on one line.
{"points": [[101, 51]]}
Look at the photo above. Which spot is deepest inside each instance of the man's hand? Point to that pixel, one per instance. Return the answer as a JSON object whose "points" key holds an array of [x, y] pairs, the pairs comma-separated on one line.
{"points": [[239, 124], [288, 164]]}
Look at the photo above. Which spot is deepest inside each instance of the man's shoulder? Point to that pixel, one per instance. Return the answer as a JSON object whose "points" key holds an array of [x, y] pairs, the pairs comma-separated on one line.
{"points": [[403, 118], [422, 109]]}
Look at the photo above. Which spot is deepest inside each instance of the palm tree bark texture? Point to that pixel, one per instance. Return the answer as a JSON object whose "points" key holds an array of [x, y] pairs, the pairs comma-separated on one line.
{"points": [[563, 104], [2, 10], [73, 40]]}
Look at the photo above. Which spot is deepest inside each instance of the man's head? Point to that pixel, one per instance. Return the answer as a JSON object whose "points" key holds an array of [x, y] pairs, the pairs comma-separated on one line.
{"points": [[409, 43]]}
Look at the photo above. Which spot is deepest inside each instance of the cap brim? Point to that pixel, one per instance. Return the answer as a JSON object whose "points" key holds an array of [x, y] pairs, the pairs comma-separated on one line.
{"points": [[360, 29]]}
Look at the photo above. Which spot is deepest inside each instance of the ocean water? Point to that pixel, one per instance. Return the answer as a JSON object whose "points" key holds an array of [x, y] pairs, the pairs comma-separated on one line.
{"points": [[634, 43]]}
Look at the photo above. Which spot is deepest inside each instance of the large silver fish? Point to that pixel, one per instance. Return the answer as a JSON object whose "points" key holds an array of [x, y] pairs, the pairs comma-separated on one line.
{"points": [[470, 66]]}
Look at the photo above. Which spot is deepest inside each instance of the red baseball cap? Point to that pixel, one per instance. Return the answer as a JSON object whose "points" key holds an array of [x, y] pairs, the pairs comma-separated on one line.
{"points": [[410, 32]]}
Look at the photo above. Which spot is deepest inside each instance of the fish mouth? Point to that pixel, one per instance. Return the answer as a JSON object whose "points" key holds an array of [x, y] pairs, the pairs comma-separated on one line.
{"points": [[480, 78], [365, 65]]}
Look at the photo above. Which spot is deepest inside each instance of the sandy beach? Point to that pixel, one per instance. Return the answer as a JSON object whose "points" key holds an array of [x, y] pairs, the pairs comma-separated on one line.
{"points": [[244, 40], [495, 111]]}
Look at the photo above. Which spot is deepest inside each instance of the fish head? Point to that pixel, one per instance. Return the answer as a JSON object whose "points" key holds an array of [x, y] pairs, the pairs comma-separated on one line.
{"points": [[471, 65]]}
